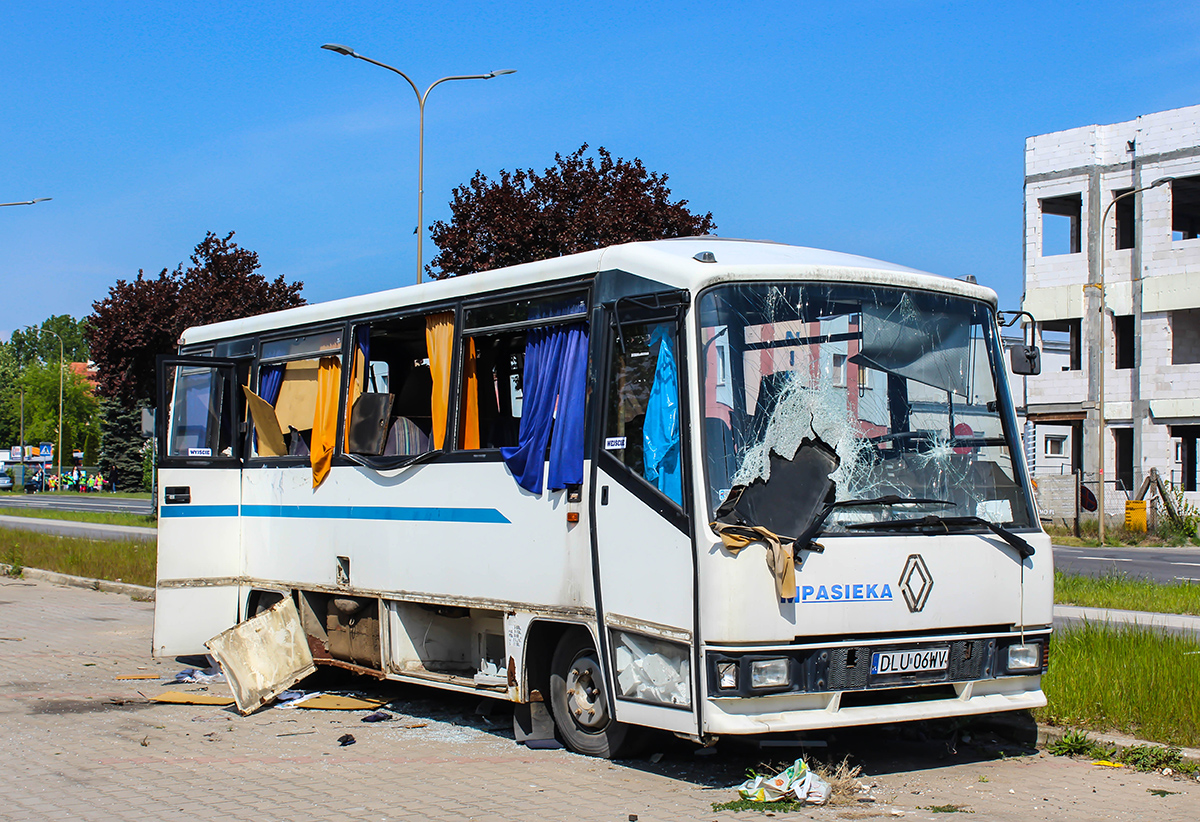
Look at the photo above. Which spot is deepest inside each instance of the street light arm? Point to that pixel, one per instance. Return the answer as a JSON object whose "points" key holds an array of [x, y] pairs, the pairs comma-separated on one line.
{"points": [[487, 76], [34, 201], [349, 52]]}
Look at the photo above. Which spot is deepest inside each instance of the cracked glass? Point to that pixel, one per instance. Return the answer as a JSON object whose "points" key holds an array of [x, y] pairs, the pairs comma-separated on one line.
{"points": [[900, 384]]}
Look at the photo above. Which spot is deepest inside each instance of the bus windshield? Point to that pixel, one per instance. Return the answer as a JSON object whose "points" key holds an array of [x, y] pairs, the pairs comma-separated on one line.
{"points": [[864, 405]]}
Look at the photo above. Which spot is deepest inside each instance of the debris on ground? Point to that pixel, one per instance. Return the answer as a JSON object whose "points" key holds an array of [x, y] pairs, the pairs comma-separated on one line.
{"points": [[200, 676], [378, 716], [336, 702], [346, 739], [794, 782], [184, 698]]}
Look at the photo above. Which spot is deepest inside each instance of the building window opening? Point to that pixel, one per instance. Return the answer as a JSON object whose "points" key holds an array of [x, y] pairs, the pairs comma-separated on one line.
{"points": [[1056, 446], [1061, 220], [1185, 336], [1123, 451], [1123, 219], [1185, 456], [1123, 341], [1058, 335], [1185, 208]]}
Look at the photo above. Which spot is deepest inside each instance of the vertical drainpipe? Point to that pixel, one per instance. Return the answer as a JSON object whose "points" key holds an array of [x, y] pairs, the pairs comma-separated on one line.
{"points": [[1138, 405]]}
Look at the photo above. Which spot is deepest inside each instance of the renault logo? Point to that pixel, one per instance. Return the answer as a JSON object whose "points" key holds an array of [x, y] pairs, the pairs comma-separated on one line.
{"points": [[915, 583]]}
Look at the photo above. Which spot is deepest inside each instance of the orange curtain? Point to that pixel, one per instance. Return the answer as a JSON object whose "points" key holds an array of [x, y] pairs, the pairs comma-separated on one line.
{"points": [[325, 419], [470, 417], [439, 341], [358, 381]]}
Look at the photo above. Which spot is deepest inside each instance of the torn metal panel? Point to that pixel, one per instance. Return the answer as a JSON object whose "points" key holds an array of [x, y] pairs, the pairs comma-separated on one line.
{"points": [[264, 655]]}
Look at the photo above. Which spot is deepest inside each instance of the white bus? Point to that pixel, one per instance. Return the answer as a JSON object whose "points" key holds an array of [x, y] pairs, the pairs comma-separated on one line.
{"points": [[702, 485]]}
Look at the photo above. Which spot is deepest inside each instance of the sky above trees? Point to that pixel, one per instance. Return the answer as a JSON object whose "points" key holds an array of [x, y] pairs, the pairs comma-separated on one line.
{"points": [[893, 130]]}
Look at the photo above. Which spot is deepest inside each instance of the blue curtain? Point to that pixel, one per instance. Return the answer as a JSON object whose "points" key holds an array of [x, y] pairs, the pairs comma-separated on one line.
{"points": [[660, 434], [554, 374], [270, 379]]}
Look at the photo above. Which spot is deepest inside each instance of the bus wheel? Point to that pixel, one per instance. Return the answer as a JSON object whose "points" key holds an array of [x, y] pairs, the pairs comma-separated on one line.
{"points": [[578, 701]]}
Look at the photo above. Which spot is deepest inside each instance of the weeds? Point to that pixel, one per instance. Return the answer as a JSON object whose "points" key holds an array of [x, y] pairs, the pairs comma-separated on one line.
{"points": [[1143, 758], [946, 809], [1119, 590], [12, 558], [1126, 678], [780, 806], [130, 561]]}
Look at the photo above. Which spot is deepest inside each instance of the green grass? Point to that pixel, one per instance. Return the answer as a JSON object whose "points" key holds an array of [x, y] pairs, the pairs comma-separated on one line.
{"points": [[1118, 590], [102, 517], [1124, 678], [130, 561], [1089, 536]]}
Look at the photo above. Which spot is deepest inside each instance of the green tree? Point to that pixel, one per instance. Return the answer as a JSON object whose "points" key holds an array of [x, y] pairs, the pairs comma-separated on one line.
{"points": [[121, 445], [10, 389], [576, 205], [80, 409], [31, 345]]}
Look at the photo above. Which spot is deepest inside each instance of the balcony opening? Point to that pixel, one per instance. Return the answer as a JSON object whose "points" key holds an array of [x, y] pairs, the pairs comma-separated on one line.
{"points": [[1123, 220], [1185, 208], [1185, 336], [1123, 346], [1061, 219], [1123, 453], [1062, 337]]}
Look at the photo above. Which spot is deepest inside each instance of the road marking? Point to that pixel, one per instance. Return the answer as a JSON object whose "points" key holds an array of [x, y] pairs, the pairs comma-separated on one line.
{"points": [[1108, 559], [1188, 579], [1197, 564]]}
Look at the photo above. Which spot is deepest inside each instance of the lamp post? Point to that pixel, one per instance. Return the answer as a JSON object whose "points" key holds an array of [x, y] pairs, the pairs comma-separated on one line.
{"points": [[1103, 333], [349, 52], [29, 202], [61, 366]]}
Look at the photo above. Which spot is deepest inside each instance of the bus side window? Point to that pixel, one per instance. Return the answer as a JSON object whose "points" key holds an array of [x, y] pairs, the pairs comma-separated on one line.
{"points": [[642, 428], [299, 377], [389, 409], [492, 390]]}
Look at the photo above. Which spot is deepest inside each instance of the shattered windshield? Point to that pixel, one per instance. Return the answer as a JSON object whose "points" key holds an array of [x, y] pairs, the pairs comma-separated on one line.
{"points": [[853, 394]]}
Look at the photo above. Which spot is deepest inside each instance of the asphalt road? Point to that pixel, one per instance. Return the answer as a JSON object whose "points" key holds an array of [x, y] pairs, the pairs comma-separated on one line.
{"points": [[77, 502], [1160, 564]]}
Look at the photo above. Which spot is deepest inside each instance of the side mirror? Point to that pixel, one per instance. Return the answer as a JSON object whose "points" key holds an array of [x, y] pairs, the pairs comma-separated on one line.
{"points": [[1026, 360]]}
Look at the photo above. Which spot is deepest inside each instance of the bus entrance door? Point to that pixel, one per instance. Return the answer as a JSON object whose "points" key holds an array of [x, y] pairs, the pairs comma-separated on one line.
{"points": [[199, 497], [646, 566]]}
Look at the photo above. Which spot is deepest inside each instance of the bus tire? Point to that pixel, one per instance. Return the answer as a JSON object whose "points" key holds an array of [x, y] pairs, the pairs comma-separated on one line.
{"points": [[578, 701]]}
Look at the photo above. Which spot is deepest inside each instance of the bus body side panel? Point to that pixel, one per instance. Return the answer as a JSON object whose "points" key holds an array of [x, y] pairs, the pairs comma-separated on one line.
{"points": [[453, 532], [199, 560]]}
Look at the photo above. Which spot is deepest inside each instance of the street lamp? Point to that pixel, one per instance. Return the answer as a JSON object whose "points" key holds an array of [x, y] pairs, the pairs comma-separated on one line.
{"points": [[349, 52], [1103, 332], [29, 202], [61, 367]]}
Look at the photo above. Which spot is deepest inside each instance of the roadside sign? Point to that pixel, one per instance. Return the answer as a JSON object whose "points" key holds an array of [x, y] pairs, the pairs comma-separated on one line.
{"points": [[46, 450]]}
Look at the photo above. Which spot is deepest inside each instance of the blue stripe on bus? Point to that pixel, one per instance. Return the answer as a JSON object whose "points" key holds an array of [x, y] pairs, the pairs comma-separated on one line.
{"points": [[479, 515], [197, 511]]}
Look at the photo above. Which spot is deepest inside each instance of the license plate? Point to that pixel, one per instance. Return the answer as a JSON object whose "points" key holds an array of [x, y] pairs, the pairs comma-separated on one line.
{"points": [[917, 661]]}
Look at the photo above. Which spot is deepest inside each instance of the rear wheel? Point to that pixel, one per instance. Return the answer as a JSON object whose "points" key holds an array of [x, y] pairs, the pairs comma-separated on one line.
{"points": [[579, 702]]}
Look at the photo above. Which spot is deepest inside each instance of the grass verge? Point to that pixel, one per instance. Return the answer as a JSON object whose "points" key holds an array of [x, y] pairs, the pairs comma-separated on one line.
{"points": [[102, 517], [1125, 678], [131, 561], [1118, 590], [1142, 758]]}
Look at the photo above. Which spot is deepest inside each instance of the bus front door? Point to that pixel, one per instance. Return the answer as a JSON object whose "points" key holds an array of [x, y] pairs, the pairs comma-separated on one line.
{"points": [[645, 561], [199, 498]]}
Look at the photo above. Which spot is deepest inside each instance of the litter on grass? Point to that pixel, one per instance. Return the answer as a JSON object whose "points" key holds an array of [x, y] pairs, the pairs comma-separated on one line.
{"points": [[795, 781]]}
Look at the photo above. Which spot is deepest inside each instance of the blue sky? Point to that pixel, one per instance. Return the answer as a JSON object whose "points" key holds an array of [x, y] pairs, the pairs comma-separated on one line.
{"points": [[892, 129]]}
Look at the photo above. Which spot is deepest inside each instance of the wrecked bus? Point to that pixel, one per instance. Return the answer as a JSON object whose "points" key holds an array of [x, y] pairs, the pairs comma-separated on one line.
{"points": [[701, 485]]}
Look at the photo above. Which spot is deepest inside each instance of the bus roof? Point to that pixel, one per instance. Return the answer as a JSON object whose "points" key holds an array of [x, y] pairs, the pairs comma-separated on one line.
{"points": [[674, 262]]}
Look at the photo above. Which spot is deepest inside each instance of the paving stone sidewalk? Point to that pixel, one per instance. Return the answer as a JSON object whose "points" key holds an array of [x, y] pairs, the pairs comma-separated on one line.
{"points": [[79, 743]]}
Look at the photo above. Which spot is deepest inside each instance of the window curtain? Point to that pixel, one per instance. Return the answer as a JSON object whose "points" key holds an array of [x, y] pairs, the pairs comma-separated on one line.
{"points": [[470, 409], [358, 370], [324, 430], [439, 341], [270, 378], [660, 434], [554, 375]]}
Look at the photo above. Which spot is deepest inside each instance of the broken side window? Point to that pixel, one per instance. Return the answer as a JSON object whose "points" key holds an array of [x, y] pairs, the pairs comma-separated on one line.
{"points": [[389, 407]]}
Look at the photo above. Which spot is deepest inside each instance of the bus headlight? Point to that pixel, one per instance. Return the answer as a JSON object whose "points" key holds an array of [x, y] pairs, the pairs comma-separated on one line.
{"points": [[1023, 657], [770, 673], [727, 676]]}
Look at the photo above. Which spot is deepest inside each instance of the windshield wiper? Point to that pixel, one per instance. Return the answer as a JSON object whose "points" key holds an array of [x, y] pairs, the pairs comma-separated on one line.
{"points": [[805, 539], [935, 521]]}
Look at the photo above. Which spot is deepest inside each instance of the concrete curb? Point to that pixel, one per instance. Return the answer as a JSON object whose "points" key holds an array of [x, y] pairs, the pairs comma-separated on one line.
{"points": [[137, 592]]}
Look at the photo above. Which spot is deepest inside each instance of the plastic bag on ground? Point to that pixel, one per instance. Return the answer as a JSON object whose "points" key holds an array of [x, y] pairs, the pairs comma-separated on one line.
{"points": [[794, 782]]}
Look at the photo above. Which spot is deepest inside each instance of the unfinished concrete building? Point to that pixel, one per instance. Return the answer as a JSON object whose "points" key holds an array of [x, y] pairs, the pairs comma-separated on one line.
{"points": [[1150, 334]]}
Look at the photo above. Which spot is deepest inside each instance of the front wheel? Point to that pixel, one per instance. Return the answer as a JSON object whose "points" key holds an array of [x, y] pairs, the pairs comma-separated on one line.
{"points": [[579, 702]]}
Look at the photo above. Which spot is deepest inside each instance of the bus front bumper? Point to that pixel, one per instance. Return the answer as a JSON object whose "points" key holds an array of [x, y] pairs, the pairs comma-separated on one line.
{"points": [[815, 711]]}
